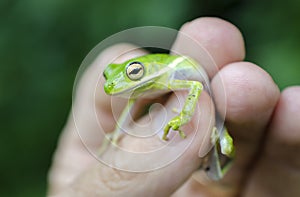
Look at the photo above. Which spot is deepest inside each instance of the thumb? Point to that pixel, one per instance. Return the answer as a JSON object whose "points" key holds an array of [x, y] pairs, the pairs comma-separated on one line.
{"points": [[150, 166]]}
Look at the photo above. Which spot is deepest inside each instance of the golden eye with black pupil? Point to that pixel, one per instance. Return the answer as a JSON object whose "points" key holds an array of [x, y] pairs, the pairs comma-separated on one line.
{"points": [[135, 71]]}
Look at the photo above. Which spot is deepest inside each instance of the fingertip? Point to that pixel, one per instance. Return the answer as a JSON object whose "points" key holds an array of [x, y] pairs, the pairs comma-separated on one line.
{"points": [[279, 161], [222, 40], [250, 91], [246, 95], [285, 125]]}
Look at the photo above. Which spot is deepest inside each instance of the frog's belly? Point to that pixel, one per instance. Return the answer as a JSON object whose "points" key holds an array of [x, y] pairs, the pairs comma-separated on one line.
{"points": [[191, 74], [154, 94], [151, 94]]}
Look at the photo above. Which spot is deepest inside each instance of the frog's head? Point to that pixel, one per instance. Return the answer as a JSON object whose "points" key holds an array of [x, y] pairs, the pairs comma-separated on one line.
{"points": [[122, 78]]}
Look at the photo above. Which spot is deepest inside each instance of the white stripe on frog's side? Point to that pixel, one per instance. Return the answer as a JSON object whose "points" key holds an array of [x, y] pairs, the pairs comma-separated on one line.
{"points": [[196, 73], [177, 61]]}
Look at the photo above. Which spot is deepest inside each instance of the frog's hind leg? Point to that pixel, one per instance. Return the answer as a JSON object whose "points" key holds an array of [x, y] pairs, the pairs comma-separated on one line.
{"points": [[220, 157]]}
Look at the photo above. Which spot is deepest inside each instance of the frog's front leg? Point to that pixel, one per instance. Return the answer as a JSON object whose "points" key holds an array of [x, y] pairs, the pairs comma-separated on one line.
{"points": [[195, 88], [115, 135], [123, 119]]}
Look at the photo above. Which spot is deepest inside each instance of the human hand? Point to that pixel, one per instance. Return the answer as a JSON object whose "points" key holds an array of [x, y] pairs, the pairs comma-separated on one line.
{"points": [[263, 123]]}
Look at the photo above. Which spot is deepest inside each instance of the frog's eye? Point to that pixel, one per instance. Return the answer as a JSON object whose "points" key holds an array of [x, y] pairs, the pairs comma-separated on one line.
{"points": [[135, 71]]}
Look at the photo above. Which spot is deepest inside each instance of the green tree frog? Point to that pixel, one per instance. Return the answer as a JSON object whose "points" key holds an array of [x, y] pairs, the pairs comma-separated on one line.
{"points": [[155, 74]]}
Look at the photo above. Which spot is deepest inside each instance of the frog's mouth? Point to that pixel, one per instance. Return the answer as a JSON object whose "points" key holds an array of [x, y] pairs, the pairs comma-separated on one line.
{"points": [[132, 91]]}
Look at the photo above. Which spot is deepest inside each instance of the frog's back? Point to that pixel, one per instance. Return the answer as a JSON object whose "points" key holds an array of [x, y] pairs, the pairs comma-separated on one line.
{"points": [[179, 67]]}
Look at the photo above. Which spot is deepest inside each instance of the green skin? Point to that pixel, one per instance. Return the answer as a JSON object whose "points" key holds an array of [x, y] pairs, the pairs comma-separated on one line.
{"points": [[155, 74]]}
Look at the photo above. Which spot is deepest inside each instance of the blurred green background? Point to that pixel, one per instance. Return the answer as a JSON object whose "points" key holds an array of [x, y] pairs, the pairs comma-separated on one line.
{"points": [[42, 44]]}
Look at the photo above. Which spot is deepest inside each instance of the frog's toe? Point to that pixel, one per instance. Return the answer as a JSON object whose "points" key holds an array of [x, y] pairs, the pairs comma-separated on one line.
{"points": [[174, 124], [182, 134], [175, 127], [228, 150], [166, 132]]}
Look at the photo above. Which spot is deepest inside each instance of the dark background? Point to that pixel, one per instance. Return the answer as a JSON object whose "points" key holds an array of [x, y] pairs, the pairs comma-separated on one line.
{"points": [[42, 44]]}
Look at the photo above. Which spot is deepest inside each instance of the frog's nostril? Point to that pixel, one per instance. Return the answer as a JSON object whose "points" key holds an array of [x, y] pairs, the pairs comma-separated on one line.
{"points": [[108, 87]]}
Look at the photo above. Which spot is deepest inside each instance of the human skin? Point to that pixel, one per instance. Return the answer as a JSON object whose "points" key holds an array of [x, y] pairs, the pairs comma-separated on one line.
{"points": [[263, 122]]}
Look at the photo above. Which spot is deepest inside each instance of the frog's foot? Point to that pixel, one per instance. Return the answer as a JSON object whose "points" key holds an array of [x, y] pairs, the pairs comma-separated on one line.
{"points": [[175, 110], [174, 124], [226, 143]]}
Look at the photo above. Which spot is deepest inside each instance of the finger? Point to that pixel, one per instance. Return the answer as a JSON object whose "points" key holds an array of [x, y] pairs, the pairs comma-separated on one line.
{"points": [[251, 99], [251, 96], [71, 157], [208, 36], [105, 181], [277, 172], [218, 40]]}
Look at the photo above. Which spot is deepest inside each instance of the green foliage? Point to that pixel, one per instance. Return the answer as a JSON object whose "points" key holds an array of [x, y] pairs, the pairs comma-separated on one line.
{"points": [[42, 44], [272, 38]]}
